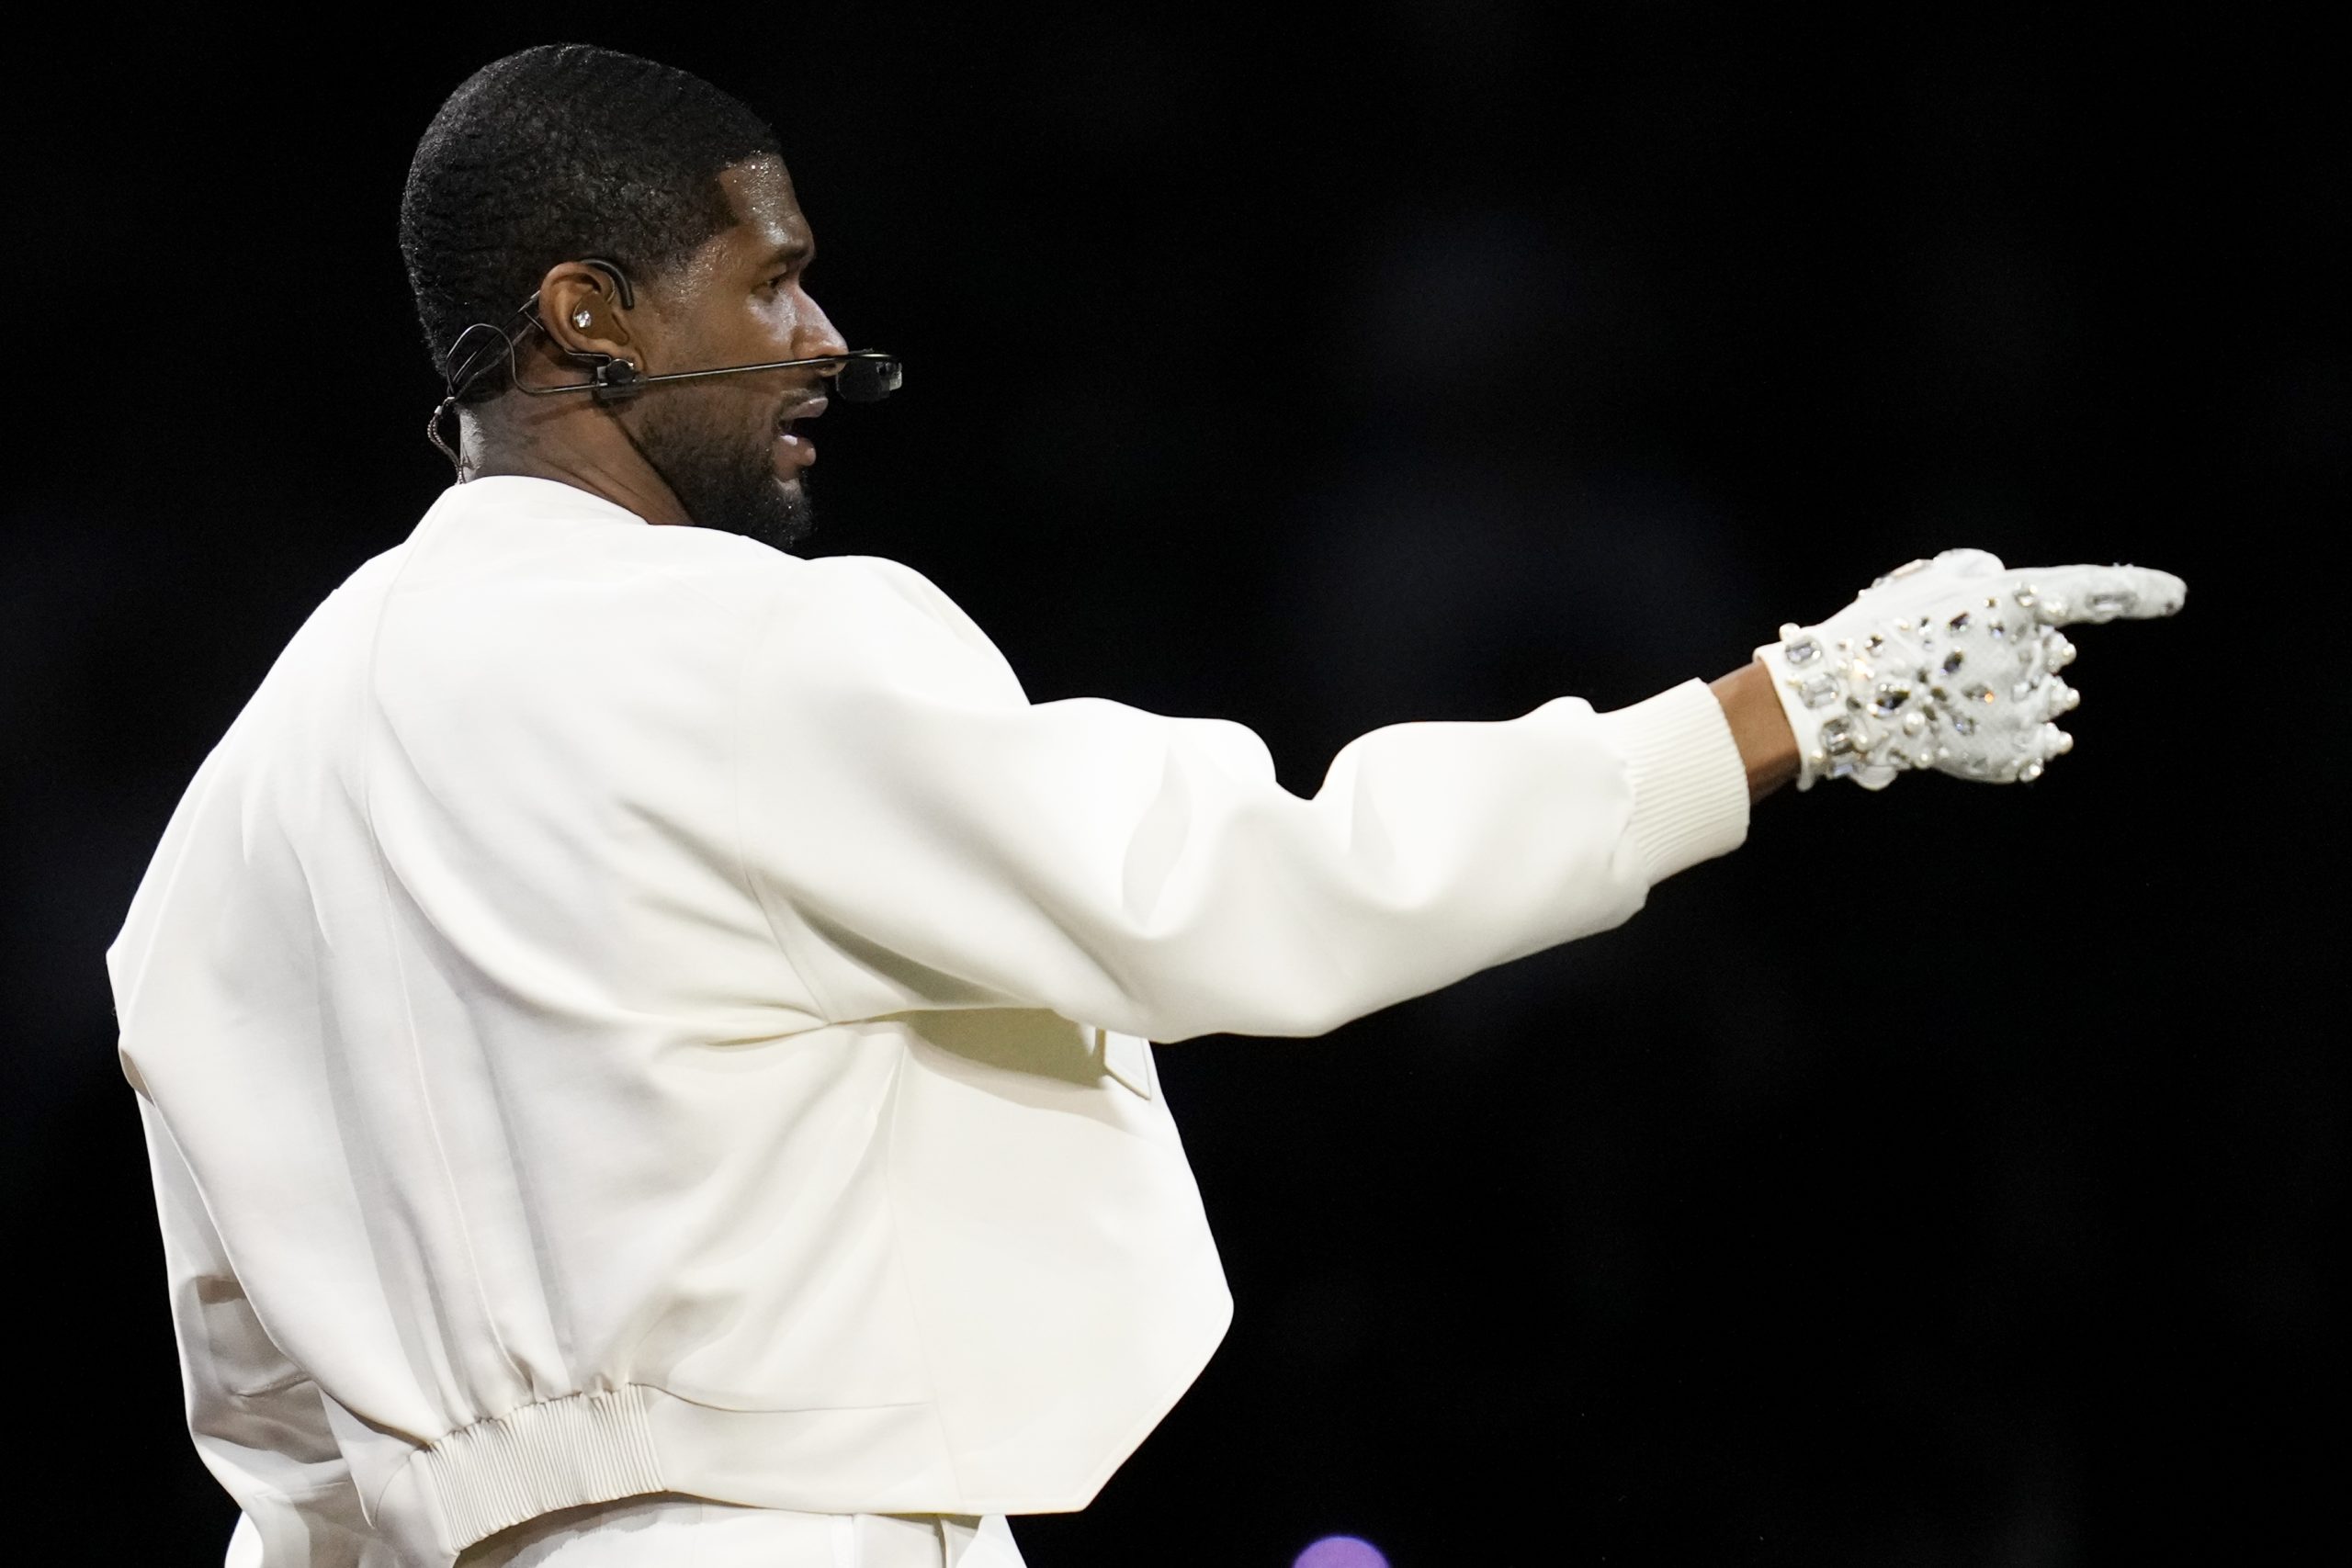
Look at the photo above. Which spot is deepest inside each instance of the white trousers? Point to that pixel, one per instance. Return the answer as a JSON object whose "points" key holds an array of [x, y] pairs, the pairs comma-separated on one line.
{"points": [[683, 1533]]}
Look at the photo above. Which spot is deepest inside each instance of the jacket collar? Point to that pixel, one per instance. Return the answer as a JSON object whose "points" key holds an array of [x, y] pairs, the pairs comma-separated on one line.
{"points": [[522, 496]]}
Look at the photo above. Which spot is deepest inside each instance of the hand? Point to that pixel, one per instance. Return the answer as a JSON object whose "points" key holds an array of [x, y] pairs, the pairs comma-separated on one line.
{"points": [[1950, 664]]}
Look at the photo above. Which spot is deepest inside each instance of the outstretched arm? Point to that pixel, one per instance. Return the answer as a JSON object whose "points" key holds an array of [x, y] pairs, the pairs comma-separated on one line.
{"points": [[924, 837]]}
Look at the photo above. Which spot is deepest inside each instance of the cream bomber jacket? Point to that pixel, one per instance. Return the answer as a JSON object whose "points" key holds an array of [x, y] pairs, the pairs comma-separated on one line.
{"points": [[626, 1010]]}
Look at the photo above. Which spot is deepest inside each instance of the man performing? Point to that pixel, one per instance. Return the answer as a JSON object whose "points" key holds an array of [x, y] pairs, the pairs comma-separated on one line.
{"points": [[641, 1036]]}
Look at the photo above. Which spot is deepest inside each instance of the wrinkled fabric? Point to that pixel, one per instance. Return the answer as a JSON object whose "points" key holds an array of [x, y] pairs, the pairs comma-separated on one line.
{"points": [[625, 1010]]}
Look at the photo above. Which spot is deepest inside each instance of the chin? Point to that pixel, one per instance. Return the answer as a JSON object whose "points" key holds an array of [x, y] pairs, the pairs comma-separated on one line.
{"points": [[790, 519]]}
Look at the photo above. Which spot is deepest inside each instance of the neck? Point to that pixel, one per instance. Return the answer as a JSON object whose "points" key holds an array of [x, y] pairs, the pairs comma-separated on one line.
{"points": [[575, 444]]}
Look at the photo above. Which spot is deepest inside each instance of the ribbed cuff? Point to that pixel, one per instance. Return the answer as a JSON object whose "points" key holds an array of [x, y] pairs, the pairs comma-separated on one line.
{"points": [[1689, 786]]}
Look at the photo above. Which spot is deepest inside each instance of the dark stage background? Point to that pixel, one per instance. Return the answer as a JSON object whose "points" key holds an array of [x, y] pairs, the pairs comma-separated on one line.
{"points": [[1947, 1177]]}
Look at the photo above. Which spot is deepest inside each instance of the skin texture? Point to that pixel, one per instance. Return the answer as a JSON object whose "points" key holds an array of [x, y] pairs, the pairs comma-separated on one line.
{"points": [[698, 452], [1767, 746], [708, 453]]}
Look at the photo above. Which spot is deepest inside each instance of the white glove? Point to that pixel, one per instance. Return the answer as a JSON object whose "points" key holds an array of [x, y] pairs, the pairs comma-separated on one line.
{"points": [[1950, 664]]}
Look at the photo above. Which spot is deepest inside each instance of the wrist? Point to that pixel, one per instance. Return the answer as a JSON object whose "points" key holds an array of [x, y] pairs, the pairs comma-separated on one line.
{"points": [[1767, 747]]}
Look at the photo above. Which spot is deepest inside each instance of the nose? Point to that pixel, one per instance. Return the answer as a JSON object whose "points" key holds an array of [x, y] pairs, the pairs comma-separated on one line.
{"points": [[815, 334]]}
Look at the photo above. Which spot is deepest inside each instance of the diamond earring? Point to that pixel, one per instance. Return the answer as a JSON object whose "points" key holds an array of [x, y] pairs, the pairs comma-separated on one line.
{"points": [[581, 318]]}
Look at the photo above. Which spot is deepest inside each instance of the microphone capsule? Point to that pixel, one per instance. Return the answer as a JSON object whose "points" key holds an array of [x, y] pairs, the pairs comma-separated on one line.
{"points": [[864, 380]]}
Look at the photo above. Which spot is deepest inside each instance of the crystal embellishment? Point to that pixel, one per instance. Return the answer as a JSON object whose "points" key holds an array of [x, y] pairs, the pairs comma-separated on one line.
{"points": [[1874, 694]]}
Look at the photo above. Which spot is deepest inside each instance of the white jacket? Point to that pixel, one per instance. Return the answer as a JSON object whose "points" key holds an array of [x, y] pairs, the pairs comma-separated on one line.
{"points": [[625, 1009]]}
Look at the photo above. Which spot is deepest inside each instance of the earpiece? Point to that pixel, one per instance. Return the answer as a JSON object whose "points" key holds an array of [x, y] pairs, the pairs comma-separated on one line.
{"points": [[620, 280], [611, 377]]}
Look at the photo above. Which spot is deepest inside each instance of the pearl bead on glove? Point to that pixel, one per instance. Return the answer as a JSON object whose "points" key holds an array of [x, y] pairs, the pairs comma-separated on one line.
{"points": [[1950, 664]]}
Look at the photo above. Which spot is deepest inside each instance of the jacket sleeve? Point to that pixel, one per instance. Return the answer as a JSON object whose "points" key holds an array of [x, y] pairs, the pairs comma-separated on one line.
{"points": [[923, 836], [259, 1422]]}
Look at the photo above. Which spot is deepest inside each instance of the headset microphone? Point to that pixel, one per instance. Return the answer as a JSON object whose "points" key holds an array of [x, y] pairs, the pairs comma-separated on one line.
{"points": [[867, 377], [860, 375]]}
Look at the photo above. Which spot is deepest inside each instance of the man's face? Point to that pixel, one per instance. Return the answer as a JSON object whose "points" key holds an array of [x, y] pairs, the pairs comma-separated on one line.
{"points": [[728, 448]]}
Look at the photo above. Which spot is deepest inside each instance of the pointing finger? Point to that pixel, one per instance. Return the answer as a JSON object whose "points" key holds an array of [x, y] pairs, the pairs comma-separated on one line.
{"points": [[2065, 595], [1969, 563]]}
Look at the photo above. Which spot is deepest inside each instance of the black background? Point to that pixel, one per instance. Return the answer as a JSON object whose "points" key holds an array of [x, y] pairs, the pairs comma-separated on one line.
{"points": [[1954, 1176]]}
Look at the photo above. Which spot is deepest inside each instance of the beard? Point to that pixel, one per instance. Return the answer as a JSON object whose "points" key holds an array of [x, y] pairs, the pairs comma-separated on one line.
{"points": [[724, 476]]}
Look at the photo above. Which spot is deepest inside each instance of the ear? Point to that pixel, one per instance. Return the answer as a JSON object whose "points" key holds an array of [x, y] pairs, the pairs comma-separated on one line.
{"points": [[583, 310]]}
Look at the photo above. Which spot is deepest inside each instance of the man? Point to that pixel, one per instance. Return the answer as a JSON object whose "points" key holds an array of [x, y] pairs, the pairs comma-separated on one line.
{"points": [[641, 1036]]}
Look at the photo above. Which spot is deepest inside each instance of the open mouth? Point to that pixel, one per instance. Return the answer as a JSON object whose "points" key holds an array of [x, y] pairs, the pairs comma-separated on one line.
{"points": [[792, 424], [794, 450]]}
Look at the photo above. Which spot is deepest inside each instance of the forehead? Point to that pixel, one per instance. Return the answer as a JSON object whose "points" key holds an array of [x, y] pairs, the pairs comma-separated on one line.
{"points": [[767, 214]]}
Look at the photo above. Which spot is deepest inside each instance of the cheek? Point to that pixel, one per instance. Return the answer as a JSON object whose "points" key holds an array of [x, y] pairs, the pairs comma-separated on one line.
{"points": [[726, 414], [776, 318]]}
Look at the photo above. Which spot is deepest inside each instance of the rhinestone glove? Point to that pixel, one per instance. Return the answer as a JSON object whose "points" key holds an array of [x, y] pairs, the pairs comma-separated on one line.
{"points": [[1950, 664]]}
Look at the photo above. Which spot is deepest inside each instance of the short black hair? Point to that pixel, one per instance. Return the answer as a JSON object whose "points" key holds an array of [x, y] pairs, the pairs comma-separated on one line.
{"points": [[557, 153]]}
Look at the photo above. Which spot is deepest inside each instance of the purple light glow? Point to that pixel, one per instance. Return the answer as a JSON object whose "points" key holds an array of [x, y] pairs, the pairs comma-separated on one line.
{"points": [[1340, 1552]]}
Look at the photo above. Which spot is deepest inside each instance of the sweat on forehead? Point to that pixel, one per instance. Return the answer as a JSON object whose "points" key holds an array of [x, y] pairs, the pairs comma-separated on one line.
{"points": [[765, 233], [758, 192]]}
